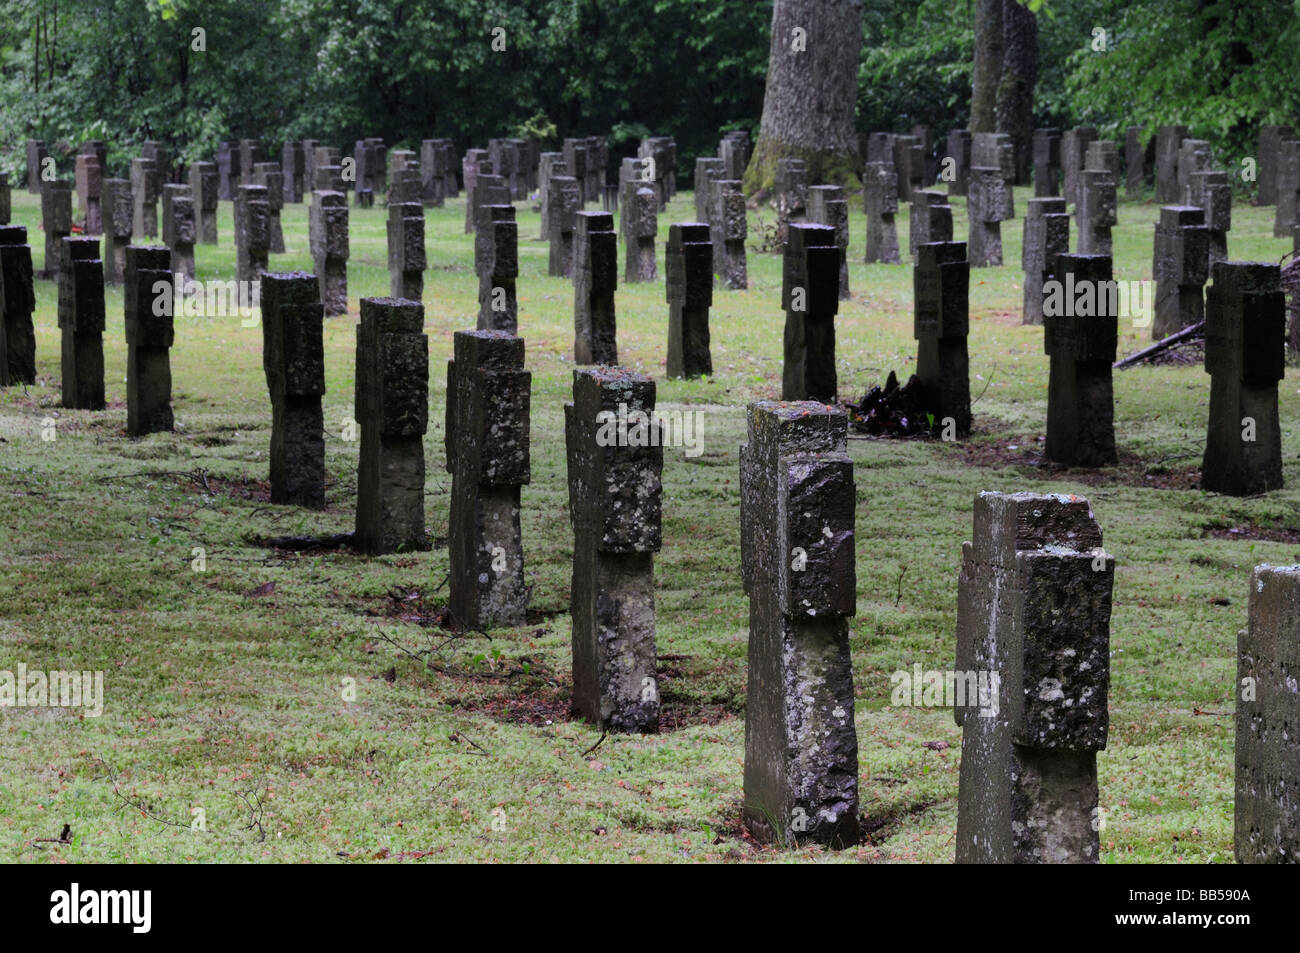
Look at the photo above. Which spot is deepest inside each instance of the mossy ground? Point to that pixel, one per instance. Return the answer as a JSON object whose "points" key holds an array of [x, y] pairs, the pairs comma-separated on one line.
{"points": [[216, 696]]}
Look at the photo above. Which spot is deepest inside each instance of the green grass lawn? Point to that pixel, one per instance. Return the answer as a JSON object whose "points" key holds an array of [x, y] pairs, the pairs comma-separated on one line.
{"points": [[231, 702]]}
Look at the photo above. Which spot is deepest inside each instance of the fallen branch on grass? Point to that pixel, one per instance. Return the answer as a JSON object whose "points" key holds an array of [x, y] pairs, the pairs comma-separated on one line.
{"points": [[301, 544], [1193, 332]]}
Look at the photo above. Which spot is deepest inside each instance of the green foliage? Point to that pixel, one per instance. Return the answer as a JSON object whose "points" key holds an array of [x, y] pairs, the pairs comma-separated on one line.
{"points": [[916, 65], [1221, 67], [627, 134], [125, 71], [338, 70], [540, 128]]}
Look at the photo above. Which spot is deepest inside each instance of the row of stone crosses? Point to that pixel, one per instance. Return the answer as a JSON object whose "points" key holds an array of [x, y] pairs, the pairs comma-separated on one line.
{"points": [[1034, 592]]}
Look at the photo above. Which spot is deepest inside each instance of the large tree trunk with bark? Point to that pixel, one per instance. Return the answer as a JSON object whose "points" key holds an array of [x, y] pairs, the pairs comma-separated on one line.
{"points": [[812, 86], [1015, 101], [988, 66]]}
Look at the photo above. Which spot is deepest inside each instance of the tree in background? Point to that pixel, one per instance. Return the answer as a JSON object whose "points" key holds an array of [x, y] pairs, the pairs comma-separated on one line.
{"points": [[1014, 107], [1221, 67], [1005, 75], [336, 70], [916, 66], [988, 65], [808, 106]]}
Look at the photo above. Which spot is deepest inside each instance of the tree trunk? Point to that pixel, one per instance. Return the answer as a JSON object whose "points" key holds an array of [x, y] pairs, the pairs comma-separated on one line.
{"points": [[1015, 95], [812, 86], [988, 66]]}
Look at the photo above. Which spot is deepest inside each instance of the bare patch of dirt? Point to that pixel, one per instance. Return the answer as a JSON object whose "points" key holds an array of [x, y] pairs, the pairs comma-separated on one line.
{"points": [[877, 830], [238, 488], [539, 697], [545, 706], [1026, 454], [1272, 534]]}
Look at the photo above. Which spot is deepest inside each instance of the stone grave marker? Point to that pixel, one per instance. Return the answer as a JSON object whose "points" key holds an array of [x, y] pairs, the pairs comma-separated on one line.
{"points": [[227, 170], [1097, 211], [1194, 155], [119, 219], [269, 176], [1074, 149], [730, 227], [688, 262], [146, 182], [89, 179], [1180, 269], [564, 199], [707, 168], [17, 302], [1168, 141], [328, 232], [941, 288], [988, 205], [56, 220], [1033, 621], [827, 206], [250, 154], [406, 256], [549, 164], [1267, 816], [1245, 354], [496, 260], [1081, 335], [81, 323], [810, 297], [929, 219], [959, 143], [643, 226], [204, 188], [293, 356], [880, 201], [1211, 192], [252, 232], [488, 404], [1047, 234], [791, 188], [797, 558], [1047, 162], [392, 408], [150, 334], [36, 156], [615, 491], [293, 163], [1271, 138], [595, 276]]}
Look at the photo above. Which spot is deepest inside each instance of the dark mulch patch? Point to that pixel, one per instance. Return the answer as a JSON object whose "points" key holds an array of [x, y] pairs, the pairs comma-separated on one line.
{"points": [[892, 411], [1272, 534], [683, 714], [677, 711], [542, 706], [414, 607], [539, 616], [877, 830], [304, 544], [538, 697], [1026, 453], [239, 488]]}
